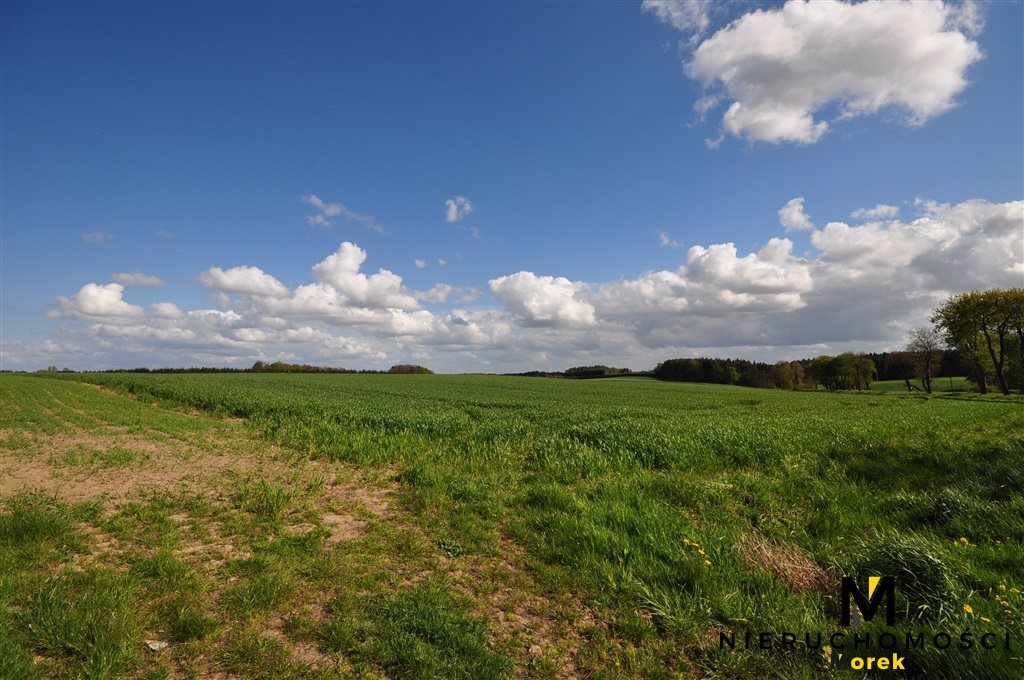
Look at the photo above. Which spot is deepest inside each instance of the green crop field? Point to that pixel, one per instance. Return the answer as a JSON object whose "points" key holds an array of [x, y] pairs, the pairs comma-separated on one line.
{"points": [[292, 526]]}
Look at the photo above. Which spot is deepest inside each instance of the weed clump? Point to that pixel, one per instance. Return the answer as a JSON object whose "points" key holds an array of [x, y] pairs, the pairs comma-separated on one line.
{"points": [[925, 579], [88, 619]]}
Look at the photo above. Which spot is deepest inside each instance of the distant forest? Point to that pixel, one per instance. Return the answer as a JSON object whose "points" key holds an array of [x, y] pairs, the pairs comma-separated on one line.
{"points": [[846, 371], [260, 367]]}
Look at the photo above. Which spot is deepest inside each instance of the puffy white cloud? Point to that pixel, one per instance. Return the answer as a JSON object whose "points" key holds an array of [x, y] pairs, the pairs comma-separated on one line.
{"points": [[689, 16], [340, 272], [99, 301], [244, 280], [982, 245], [875, 281], [879, 212], [780, 67], [420, 264], [772, 270], [715, 283], [137, 280], [793, 217], [651, 296], [166, 310], [973, 241], [457, 208], [876, 244], [543, 300], [437, 293]]}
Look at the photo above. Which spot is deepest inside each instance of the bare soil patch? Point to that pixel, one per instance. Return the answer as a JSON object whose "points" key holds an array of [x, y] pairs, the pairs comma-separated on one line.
{"points": [[161, 465], [342, 527]]}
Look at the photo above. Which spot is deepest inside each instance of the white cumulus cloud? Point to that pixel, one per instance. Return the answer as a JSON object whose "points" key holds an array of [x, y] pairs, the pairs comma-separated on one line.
{"points": [[779, 68], [95, 300], [340, 272], [793, 216], [543, 300], [772, 270], [244, 280]]}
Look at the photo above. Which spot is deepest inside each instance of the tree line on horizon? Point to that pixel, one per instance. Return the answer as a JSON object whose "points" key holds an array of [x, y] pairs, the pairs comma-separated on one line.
{"points": [[258, 367]]}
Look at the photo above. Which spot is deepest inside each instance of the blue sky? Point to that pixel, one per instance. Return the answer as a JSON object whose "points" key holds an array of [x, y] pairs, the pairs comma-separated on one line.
{"points": [[168, 139]]}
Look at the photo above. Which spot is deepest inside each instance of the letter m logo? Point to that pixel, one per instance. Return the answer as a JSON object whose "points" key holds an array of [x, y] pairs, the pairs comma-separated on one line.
{"points": [[878, 587]]}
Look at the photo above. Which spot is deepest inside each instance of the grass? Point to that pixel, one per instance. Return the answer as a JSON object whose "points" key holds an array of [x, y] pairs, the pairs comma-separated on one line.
{"points": [[422, 632], [87, 620], [114, 457], [82, 619], [538, 527], [948, 384], [264, 499]]}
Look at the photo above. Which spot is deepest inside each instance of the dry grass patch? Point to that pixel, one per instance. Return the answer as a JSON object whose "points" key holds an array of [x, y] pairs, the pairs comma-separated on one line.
{"points": [[787, 562]]}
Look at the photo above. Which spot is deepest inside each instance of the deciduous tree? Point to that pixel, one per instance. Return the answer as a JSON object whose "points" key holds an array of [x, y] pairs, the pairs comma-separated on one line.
{"points": [[984, 326], [927, 345]]}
